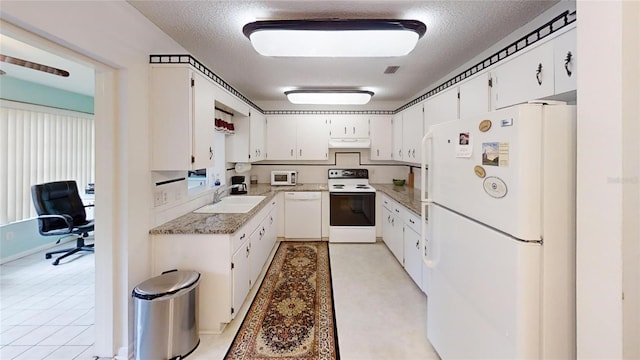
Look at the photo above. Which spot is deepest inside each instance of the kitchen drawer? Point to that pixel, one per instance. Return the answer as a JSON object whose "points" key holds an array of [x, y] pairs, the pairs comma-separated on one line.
{"points": [[413, 221], [393, 206], [386, 202], [240, 236]]}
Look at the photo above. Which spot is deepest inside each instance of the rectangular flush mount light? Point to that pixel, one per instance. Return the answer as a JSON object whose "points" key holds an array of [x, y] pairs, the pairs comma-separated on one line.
{"points": [[329, 97], [335, 37]]}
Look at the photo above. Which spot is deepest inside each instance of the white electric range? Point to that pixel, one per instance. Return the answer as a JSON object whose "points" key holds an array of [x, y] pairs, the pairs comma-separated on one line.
{"points": [[352, 206]]}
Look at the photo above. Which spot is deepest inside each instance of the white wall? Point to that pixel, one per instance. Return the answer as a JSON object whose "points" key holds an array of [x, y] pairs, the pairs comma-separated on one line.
{"points": [[631, 186], [115, 34], [608, 168]]}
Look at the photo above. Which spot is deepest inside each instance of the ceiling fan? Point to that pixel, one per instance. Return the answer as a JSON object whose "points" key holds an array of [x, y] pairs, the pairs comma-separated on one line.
{"points": [[32, 65]]}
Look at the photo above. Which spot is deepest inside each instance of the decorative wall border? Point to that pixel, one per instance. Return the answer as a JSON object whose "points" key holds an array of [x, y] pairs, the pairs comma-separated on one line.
{"points": [[559, 22]]}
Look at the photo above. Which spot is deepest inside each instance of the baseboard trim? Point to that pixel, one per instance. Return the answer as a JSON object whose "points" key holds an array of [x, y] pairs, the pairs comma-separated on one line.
{"points": [[35, 250]]}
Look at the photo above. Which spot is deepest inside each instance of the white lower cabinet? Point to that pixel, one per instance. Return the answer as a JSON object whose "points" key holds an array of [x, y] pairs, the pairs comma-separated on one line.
{"points": [[240, 275], [229, 264], [392, 230], [412, 254], [401, 233]]}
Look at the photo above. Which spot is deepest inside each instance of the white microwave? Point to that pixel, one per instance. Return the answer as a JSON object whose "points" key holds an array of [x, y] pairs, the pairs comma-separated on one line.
{"points": [[283, 177]]}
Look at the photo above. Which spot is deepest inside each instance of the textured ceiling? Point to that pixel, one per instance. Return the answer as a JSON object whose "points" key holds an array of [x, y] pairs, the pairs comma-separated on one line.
{"points": [[456, 31]]}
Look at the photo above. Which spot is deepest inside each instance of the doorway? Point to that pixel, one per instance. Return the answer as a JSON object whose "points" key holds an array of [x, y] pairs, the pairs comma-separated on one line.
{"points": [[104, 105]]}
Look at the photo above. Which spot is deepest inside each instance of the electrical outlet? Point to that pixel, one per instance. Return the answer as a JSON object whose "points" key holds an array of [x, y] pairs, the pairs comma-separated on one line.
{"points": [[165, 197], [158, 198]]}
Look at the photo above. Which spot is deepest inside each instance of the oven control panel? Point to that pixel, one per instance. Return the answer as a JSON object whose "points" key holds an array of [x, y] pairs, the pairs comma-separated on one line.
{"points": [[348, 174]]}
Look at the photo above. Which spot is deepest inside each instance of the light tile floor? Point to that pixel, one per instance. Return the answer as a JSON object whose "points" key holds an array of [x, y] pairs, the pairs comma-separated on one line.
{"points": [[46, 311], [380, 312]]}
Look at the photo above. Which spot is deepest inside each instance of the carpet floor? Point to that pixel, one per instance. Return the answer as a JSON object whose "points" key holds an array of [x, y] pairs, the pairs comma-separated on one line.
{"points": [[292, 315]]}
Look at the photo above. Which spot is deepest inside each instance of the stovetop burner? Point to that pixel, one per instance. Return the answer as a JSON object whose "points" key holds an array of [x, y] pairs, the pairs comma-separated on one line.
{"points": [[349, 180]]}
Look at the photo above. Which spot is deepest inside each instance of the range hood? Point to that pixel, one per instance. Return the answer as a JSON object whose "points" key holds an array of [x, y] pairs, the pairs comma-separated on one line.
{"points": [[363, 143]]}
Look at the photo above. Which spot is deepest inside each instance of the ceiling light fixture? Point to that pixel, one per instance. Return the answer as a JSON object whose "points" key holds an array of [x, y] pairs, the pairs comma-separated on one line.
{"points": [[335, 37], [329, 97]]}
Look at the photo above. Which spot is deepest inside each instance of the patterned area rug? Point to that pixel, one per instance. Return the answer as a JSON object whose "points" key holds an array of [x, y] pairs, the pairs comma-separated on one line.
{"points": [[292, 315]]}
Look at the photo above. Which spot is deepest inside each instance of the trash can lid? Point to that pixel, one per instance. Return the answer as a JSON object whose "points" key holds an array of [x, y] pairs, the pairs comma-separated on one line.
{"points": [[166, 284]]}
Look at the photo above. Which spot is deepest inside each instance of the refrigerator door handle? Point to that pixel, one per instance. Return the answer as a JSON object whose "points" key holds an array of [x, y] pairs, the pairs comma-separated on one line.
{"points": [[423, 166], [429, 253]]}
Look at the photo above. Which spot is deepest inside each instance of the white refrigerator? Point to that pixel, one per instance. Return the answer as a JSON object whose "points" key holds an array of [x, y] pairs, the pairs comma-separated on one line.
{"points": [[500, 246]]}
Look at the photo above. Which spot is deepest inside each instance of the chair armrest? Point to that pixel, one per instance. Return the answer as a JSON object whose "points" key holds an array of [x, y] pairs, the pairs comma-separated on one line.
{"points": [[67, 219]]}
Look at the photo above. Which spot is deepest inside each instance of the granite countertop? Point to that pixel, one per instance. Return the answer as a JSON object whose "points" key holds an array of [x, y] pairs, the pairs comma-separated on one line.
{"points": [[404, 195], [194, 223]]}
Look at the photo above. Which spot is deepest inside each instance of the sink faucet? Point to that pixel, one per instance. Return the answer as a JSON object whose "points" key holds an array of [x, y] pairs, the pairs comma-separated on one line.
{"points": [[222, 191]]}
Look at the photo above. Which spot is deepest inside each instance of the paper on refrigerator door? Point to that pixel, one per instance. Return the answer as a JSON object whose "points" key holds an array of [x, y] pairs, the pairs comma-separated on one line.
{"points": [[464, 147]]}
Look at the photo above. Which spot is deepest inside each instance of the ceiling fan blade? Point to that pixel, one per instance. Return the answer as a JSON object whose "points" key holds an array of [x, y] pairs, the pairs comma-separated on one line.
{"points": [[33, 65]]}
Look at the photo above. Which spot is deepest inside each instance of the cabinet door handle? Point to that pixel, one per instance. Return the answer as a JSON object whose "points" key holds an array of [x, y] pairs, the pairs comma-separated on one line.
{"points": [[247, 251], [393, 221], [411, 221], [271, 220], [345, 130], [539, 73], [291, 152], [567, 62], [399, 153], [413, 153], [378, 152], [398, 211], [300, 152], [354, 129], [210, 153], [243, 236], [418, 244]]}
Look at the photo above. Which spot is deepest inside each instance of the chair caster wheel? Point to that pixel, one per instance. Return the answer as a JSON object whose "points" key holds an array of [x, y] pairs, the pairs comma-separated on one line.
{"points": [[47, 256]]}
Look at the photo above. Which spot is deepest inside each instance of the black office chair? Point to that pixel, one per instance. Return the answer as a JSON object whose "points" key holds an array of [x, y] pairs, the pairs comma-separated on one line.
{"points": [[61, 213]]}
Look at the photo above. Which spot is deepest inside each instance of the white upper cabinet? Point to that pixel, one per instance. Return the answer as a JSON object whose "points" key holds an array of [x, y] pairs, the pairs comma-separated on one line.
{"points": [[527, 77], [380, 129], [546, 70], [349, 126], [281, 137], [396, 123], [257, 136], [313, 138], [440, 108], [565, 61], [474, 96], [182, 118], [412, 131], [247, 144], [297, 137]]}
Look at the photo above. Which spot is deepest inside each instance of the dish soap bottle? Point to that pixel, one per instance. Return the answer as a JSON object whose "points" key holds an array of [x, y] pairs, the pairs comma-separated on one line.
{"points": [[217, 182]]}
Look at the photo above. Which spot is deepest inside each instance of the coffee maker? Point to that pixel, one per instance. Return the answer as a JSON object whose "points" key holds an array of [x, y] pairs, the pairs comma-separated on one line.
{"points": [[239, 186]]}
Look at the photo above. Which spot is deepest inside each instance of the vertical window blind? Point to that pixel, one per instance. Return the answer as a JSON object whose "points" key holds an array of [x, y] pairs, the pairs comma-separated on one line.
{"points": [[41, 144]]}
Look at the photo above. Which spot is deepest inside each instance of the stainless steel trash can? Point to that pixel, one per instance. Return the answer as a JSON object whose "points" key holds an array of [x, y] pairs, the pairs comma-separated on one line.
{"points": [[166, 316]]}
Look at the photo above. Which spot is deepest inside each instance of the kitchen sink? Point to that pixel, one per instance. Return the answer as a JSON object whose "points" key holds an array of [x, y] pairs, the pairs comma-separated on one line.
{"points": [[232, 205]]}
